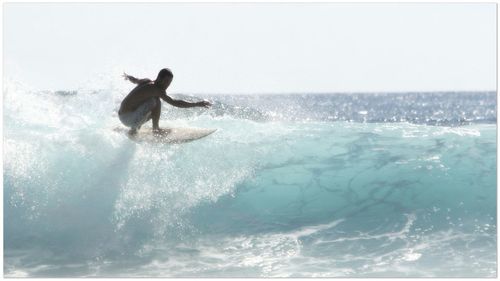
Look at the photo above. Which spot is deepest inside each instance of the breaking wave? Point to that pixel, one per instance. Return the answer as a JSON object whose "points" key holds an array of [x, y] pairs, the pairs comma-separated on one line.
{"points": [[290, 185]]}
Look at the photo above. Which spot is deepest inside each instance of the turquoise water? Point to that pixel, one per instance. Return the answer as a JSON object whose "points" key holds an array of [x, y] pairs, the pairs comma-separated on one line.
{"points": [[267, 195]]}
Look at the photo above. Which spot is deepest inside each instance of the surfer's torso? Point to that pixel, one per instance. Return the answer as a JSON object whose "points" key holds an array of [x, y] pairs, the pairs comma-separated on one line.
{"points": [[139, 95]]}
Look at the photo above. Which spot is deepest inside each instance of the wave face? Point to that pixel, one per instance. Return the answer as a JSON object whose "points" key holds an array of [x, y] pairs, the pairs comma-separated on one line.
{"points": [[296, 185]]}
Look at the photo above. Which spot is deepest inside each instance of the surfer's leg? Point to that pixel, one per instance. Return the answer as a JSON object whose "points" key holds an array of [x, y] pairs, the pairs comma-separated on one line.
{"points": [[141, 115], [155, 115]]}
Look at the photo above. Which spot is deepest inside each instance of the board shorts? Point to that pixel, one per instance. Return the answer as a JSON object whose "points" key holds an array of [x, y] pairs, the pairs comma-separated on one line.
{"points": [[135, 119]]}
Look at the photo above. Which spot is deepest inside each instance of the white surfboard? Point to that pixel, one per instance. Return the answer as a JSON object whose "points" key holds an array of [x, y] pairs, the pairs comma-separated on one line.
{"points": [[168, 135]]}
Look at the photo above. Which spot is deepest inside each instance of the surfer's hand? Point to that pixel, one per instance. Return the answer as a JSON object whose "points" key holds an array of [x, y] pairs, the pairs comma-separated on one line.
{"points": [[205, 103], [125, 76]]}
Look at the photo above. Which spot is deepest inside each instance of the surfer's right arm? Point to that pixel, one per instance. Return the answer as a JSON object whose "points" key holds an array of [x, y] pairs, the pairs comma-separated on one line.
{"points": [[185, 104], [136, 80]]}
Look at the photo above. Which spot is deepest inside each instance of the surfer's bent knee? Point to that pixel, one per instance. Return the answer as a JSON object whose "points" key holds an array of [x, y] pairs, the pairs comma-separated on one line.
{"points": [[139, 116]]}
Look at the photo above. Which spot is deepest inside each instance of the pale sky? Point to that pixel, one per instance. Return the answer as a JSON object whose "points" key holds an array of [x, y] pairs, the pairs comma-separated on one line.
{"points": [[254, 47]]}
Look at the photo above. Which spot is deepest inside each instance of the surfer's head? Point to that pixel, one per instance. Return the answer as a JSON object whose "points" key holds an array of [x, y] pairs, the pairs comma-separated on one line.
{"points": [[164, 78]]}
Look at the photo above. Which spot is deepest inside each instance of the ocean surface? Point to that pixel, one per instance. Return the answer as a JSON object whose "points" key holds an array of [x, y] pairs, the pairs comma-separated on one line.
{"points": [[297, 185]]}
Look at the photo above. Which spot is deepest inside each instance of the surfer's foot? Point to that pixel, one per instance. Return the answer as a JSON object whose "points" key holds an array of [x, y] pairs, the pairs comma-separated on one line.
{"points": [[159, 131], [132, 132]]}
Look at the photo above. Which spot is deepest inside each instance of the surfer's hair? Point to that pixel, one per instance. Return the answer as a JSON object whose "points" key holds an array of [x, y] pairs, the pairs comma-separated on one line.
{"points": [[164, 73]]}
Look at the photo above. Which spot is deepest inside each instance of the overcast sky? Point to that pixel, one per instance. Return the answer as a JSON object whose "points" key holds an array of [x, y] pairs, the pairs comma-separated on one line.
{"points": [[254, 48]]}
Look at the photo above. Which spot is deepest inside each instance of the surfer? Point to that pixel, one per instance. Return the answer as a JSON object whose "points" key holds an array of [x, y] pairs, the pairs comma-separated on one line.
{"points": [[143, 102]]}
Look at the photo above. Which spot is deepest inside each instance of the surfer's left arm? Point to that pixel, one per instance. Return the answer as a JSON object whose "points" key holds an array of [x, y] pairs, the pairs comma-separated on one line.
{"points": [[135, 80], [185, 104]]}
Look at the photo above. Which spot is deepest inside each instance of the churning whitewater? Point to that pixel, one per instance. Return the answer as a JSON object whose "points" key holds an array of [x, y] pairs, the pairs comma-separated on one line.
{"points": [[333, 185]]}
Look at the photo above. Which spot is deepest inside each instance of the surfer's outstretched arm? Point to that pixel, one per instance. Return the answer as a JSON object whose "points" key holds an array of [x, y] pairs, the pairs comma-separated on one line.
{"points": [[184, 104], [135, 80]]}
